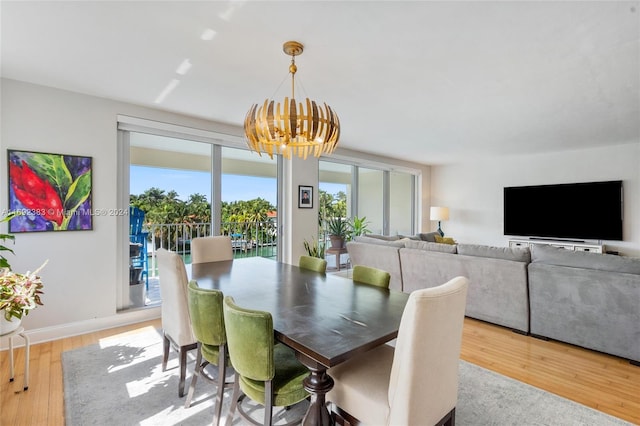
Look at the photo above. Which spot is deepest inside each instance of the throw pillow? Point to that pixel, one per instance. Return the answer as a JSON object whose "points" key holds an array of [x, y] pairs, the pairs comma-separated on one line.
{"points": [[444, 240], [429, 236]]}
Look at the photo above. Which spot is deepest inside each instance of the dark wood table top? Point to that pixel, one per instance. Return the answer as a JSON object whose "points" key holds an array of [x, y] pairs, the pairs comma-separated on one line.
{"points": [[325, 317]]}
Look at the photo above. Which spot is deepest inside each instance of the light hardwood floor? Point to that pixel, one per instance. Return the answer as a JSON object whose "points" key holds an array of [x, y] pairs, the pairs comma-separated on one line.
{"points": [[599, 381]]}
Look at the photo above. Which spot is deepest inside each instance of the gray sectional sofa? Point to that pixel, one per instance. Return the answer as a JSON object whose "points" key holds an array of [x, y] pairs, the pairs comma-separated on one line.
{"points": [[587, 299], [590, 300]]}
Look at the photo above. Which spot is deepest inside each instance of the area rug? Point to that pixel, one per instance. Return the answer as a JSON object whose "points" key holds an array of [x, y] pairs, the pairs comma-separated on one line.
{"points": [[120, 382]]}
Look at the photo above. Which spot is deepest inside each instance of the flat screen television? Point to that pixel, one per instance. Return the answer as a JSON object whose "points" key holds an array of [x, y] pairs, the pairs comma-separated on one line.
{"points": [[576, 211]]}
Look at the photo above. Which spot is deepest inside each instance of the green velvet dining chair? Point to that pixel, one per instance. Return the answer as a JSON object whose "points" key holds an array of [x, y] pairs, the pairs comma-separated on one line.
{"points": [[371, 276], [207, 321], [267, 372], [312, 263]]}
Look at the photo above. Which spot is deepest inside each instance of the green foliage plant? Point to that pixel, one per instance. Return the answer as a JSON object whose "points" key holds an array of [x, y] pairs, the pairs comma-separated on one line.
{"points": [[4, 263], [249, 218], [338, 227], [314, 248], [359, 226]]}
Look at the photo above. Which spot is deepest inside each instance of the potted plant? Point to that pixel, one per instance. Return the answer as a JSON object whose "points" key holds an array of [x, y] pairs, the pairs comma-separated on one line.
{"points": [[19, 293], [338, 229], [359, 226]]}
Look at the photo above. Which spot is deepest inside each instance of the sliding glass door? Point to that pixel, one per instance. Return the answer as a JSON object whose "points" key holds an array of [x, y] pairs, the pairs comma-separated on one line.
{"points": [[187, 189]]}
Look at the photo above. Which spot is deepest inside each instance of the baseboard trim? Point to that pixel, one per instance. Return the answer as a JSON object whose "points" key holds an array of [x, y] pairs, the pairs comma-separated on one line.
{"points": [[46, 334]]}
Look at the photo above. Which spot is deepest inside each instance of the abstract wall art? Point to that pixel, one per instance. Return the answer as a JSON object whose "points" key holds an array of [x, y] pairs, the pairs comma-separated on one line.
{"points": [[51, 192]]}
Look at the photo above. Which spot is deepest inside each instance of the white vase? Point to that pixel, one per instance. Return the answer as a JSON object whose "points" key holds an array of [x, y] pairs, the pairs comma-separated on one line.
{"points": [[7, 327]]}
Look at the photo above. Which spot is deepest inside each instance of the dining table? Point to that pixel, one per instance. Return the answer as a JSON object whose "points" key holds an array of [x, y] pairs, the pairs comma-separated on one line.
{"points": [[326, 319]]}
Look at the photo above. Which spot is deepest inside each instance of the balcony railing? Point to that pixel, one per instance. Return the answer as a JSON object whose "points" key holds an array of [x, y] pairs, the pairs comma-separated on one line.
{"points": [[248, 239]]}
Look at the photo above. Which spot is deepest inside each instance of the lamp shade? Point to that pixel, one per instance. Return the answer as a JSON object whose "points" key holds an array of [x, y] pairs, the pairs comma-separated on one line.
{"points": [[439, 213]]}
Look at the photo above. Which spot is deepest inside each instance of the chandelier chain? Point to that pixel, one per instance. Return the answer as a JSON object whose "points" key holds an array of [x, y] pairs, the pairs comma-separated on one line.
{"points": [[292, 69]]}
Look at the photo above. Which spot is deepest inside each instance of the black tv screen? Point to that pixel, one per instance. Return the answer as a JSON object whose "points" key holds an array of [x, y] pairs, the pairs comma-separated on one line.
{"points": [[578, 211]]}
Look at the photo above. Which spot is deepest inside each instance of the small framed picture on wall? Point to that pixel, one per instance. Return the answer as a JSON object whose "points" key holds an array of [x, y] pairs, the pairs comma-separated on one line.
{"points": [[305, 197]]}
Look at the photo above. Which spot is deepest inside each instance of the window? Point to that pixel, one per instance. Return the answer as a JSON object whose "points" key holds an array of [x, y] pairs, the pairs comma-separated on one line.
{"points": [[371, 198], [401, 203], [387, 198], [249, 198]]}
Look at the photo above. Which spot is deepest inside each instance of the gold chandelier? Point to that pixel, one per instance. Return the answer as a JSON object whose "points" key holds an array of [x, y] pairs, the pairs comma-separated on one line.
{"points": [[302, 129]]}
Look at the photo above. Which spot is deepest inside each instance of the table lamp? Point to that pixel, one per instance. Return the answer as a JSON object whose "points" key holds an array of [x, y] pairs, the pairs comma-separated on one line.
{"points": [[439, 214]]}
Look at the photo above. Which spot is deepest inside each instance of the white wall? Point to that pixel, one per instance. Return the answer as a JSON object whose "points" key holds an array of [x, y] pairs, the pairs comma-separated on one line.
{"points": [[299, 224], [473, 191]]}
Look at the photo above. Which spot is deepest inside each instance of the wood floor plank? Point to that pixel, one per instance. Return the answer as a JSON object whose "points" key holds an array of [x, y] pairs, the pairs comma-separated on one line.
{"points": [[55, 412], [597, 380], [41, 369]]}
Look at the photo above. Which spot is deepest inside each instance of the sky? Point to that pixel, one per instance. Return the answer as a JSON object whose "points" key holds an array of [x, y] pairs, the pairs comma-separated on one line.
{"points": [[186, 182]]}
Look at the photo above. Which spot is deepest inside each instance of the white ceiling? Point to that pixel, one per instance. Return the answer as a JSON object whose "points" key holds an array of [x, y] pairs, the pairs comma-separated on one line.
{"points": [[430, 82]]}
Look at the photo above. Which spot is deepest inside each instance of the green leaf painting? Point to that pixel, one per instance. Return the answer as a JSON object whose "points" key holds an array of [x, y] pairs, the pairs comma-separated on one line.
{"points": [[52, 192]]}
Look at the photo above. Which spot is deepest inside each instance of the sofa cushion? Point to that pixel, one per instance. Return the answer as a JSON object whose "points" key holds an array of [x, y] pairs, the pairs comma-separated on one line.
{"points": [[429, 236], [379, 241], [425, 245], [410, 237], [517, 254], [578, 259], [382, 237], [497, 290]]}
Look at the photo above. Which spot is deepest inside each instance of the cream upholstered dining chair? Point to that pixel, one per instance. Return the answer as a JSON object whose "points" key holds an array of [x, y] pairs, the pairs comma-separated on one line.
{"points": [[418, 382], [176, 323], [211, 249]]}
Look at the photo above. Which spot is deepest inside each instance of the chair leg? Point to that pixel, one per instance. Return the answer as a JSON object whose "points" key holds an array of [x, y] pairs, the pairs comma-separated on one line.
{"points": [[234, 402], [222, 370], [449, 419], [452, 419], [196, 372], [183, 369], [268, 403], [165, 351], [27, 345]]}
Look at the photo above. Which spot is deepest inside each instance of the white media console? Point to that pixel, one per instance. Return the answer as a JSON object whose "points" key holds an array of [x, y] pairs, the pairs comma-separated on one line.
{"points": [[569, 245]]}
